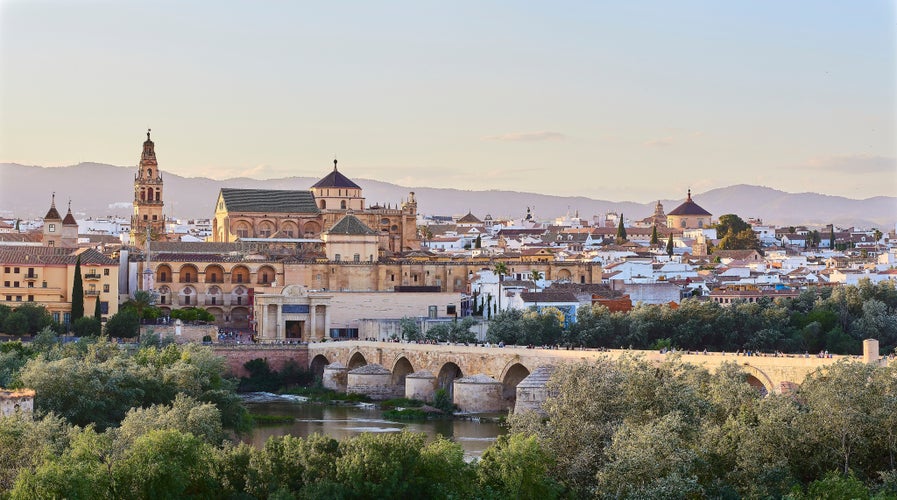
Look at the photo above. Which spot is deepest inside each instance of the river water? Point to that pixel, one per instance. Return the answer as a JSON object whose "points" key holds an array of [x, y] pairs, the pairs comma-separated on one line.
{"points": [[341, 422]]}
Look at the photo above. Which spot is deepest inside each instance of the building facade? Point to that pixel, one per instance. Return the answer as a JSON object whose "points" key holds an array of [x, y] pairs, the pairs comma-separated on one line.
{"points": [[689, 215], [148, 216]]}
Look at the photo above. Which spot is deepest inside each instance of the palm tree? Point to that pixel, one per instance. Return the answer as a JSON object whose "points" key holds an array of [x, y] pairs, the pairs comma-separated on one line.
{"points": [[501, 269], [142, 300], [537, 275]]}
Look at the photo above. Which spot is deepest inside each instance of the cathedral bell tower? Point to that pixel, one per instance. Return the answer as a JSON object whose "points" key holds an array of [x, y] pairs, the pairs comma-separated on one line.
{"points": [[148, 206]]}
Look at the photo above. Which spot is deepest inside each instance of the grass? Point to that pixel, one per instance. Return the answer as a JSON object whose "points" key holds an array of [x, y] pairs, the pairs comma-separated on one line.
{"points": [[318, 394], [390, 404], [260, 419]]}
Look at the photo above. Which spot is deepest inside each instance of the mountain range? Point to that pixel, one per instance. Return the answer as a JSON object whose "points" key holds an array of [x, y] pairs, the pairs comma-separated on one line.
{"points": [[99, 190]]}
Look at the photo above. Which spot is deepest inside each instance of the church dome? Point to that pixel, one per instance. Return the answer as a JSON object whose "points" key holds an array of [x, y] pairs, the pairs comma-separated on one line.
{"points": [[336, 180], [689, 208]]}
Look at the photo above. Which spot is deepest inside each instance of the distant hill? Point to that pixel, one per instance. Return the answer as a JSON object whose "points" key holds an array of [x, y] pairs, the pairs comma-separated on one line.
{"points": [[98, 190]]}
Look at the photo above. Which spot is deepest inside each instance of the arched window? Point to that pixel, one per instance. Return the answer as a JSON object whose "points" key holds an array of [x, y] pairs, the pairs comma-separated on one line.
{"points": [[323, 204], [149, 173], [342, 204]]}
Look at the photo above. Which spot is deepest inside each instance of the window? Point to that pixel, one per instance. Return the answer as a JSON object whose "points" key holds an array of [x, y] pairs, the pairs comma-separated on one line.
{"points": [[213, 301], [9, 298], [239, 300], [16, 270], [18, 298], [56, 317], [155, 217], [30, 285], [5, 269], [186, 300], [106, 288], [336, 257], [356, 258], [44, 284], [31, 298], [67, 318], [105, 272], [6, 284], [15, 284], [342, 204], [145, 217], [52, 228], [162, 299], [51, 243]]}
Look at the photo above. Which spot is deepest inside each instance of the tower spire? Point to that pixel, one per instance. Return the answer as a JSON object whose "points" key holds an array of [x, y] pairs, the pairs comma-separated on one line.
{"points": [[334, 164]]}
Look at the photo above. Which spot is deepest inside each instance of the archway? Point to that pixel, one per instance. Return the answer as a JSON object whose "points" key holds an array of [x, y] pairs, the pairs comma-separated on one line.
{"points": [[214, 274], [317, 366], [188, 273], [513, 376], [163, 274], [756, 384], [357, 360], [401, 369], [239, 274], [758, 379], [564, 275], [239, 317], [447, 375]]}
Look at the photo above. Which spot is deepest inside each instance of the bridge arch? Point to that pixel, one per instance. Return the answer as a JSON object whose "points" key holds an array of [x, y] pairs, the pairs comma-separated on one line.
{"points": [[401, 369], [757, 379], [446, 377], [356, 360], [513, 375], [317, 366]]}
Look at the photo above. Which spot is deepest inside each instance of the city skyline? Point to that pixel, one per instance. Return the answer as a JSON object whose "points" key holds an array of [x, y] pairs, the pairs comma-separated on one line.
{"points": [[634, 102]]}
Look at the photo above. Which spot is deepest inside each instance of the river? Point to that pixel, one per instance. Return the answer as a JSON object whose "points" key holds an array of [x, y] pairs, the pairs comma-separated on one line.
{"points": [[341, 422]]}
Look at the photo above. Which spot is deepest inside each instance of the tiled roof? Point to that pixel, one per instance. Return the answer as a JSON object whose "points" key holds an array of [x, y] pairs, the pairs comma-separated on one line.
{"points": [[53, 255], [688, 208], [195, 247], [21, 237], [336, 180], [469, 219], [548, 297], [350, 225], [269, 201], [69, 219]]}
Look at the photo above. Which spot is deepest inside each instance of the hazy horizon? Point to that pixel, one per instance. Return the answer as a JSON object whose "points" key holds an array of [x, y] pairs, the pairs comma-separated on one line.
{"points": [[614, 101]]}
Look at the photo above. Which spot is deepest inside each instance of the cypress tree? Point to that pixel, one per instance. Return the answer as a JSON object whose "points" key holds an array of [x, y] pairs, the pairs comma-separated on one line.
{"points": [[77, 293], [831, 238], [621, 231], [654, 239], [97, 312], [670, 245], [479, 242]]}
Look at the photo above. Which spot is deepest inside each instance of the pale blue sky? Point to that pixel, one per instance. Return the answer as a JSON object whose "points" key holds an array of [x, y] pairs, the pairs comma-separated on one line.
{"points": [[613, 100]]}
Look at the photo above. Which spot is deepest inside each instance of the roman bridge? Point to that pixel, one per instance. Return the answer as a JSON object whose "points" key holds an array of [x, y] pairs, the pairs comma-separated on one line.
{"points": [[486, 378]]}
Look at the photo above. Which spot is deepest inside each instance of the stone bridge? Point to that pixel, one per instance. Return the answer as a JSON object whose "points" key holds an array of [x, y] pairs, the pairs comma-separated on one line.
{"points": [[451, 367]]}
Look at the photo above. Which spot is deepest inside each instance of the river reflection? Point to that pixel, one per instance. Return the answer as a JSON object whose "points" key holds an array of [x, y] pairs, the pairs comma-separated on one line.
{"points": [[341, 422]]}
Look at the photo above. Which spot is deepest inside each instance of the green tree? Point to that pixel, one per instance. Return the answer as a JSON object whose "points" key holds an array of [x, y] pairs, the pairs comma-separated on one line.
{"points": [[505, 327], [621, 231], [478, 243], [123, 324], [97, 310], [165, 464], [831, 238], [670, 245], [655, 240], [86, 327], [500, 269], [410, 329], [77, 293], [516, 466], [142, 301], [735, 234], [536, 276]]}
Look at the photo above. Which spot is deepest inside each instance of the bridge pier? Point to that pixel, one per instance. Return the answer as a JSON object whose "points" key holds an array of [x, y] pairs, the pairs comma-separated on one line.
{"points": [[420, 385], [479, 394], [335, 377], [372, 380], [533, 390]]}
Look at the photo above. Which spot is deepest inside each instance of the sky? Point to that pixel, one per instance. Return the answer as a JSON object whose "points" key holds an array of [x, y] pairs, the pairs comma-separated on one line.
{"points": [[622, 101]]}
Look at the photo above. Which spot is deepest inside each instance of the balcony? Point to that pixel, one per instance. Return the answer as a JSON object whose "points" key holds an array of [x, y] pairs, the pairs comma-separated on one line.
{"points": [[92, 276], [30, 277], [91, 293]]}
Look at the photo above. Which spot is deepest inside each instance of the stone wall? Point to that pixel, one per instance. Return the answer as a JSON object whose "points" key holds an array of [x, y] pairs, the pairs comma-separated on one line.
{"points": [[276, 356], [181, 333], [16, 401]]}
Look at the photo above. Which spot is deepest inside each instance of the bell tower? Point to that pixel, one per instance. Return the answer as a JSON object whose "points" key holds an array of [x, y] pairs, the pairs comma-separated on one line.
{"points": [[148, 205]]}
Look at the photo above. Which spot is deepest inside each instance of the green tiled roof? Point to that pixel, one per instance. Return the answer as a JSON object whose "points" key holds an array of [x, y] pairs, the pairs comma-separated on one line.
{"points": [[269, 201], [350, 225]]}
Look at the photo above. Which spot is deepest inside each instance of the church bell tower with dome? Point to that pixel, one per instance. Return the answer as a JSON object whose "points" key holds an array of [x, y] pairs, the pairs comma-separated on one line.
{"points": [[148, 205]]}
